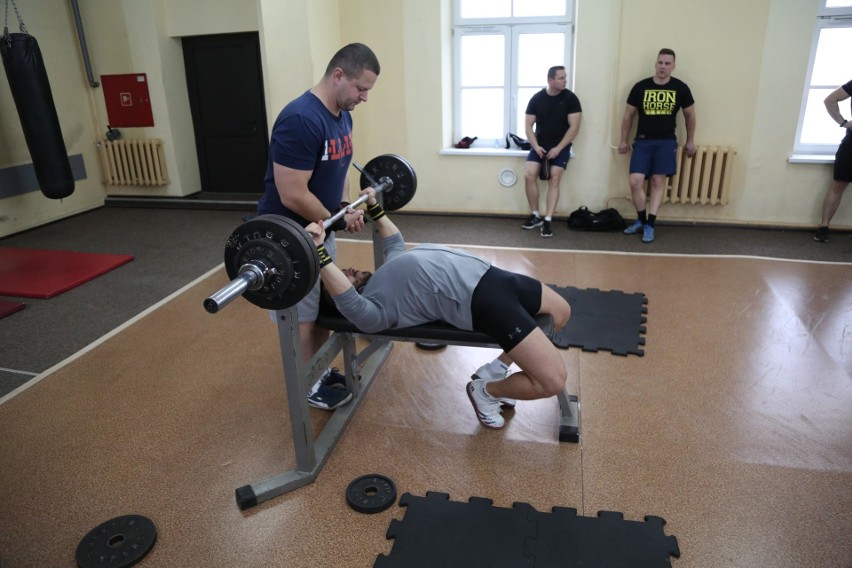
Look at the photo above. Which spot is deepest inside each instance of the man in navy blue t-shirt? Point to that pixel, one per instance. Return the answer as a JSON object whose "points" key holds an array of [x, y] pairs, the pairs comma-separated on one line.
{"points": [[310, 151]]}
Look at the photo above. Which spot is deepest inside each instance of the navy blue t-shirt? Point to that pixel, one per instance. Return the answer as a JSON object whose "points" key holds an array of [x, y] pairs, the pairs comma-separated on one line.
{"points": [[306, 136]]}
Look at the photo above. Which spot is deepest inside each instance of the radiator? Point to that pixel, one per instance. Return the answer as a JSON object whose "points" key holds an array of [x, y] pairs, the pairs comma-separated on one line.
{"points": [[703, 179], [133, 162]]}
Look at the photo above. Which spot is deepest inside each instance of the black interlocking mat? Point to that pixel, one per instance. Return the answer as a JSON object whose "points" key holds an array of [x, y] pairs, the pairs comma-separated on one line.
{"points": [[438, 532], [603, 320]]}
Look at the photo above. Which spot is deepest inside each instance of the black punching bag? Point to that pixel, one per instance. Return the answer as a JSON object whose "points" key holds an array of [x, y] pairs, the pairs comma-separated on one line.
{"points": [[34, 100]]}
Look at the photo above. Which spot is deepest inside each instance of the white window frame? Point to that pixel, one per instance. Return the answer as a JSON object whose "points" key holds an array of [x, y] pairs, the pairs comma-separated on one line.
{"points": [[510, 28], [826, 18]]}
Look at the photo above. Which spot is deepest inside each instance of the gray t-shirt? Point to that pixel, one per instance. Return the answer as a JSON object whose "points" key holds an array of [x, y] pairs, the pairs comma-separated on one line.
{"points": [[426, 283]]}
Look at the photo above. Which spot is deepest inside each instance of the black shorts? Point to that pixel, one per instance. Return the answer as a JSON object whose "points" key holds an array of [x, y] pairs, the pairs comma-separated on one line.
{"points": [[843, 160], [504, 306]]}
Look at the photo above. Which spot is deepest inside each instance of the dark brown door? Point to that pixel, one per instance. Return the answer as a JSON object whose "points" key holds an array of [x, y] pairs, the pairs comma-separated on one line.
{"points": [[225, 84]]}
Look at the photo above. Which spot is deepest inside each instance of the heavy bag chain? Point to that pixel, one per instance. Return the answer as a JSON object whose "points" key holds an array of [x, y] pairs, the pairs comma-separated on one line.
{"points": [[21, 24]]}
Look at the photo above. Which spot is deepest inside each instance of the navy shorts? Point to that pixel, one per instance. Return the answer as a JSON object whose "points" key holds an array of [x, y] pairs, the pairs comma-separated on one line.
{"points": [[843, 160], [561, 160], [654, 157], [504, 306]]}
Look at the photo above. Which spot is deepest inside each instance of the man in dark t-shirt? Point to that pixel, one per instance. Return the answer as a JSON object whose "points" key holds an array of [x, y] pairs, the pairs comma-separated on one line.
{"points": [[552, 122], [842, 160], [310, 150], [657, 101]]}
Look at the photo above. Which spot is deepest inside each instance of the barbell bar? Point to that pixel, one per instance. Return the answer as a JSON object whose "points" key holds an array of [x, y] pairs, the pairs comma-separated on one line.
{"points": [[272, 260]]}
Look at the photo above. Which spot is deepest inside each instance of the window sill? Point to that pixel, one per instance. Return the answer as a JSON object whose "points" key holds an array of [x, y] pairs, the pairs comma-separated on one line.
{"points": [[483, 152], [811, 159]]}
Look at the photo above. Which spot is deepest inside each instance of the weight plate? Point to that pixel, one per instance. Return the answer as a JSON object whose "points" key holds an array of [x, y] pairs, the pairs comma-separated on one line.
{"points": [[117, 543], [430, 346], [400, 172], [371, 493], [282, 245]]}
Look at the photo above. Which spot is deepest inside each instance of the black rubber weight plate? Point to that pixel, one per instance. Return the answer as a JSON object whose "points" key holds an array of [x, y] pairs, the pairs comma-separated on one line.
{"points": [[371, 493], [117, 543]]}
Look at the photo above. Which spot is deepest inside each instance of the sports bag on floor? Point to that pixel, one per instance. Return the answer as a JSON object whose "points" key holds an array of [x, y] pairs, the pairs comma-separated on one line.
{"points": [[607, 220]]}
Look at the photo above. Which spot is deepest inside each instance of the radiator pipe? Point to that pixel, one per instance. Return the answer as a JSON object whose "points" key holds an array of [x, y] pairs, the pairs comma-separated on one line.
{"points": [[82, 37]]}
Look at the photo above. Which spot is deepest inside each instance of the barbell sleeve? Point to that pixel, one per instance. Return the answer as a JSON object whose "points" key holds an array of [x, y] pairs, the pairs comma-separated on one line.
{"points": [[249, 278]]}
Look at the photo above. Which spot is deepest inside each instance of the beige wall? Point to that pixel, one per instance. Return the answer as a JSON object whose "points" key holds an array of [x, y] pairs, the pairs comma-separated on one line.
{"points": [[745, 62]]}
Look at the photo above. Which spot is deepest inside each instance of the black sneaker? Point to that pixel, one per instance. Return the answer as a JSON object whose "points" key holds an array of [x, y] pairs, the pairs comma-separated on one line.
{"points": [[545, 230], [533, 222], [821, 234]]}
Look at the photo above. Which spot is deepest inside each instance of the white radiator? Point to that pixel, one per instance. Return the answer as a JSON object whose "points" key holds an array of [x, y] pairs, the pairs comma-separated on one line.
{"points": [[703, 179], [133, 162]]}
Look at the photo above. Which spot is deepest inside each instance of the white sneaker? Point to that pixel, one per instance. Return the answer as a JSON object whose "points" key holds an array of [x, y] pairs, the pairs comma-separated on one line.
{"points": [[486, 375], [487, 408]]}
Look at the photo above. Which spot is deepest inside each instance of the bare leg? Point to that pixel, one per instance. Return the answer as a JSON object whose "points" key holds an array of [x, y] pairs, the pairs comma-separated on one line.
{"points": [[553, 190], [311, 339], [543, 372], [832, 201], [637, 190], [531, 170], [658, 187]]}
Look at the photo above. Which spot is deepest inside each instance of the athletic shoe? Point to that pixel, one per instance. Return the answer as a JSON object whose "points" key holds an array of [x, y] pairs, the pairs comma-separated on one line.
{"points": [[634, 228], [648, 234], [483, 373], [821, 234], [545, 229], [329, 398], [533, 222], [487, 408], [329, 392]]}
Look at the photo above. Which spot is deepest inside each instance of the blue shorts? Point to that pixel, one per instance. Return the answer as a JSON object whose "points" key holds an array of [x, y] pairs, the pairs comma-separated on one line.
{"points": [[504, 306], [561, 160], [654, 157]]}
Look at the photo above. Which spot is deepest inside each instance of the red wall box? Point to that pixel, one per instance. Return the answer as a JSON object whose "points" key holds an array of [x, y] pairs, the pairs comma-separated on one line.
{"points": [[127, 100]]}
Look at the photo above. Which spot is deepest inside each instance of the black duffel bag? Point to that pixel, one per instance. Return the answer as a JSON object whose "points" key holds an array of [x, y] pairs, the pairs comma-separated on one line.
{"points": [[607, 220]]}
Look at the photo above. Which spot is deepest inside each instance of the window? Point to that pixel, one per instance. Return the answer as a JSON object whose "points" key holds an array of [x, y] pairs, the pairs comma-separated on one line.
{"points": [[502, 51], [828, 68]]}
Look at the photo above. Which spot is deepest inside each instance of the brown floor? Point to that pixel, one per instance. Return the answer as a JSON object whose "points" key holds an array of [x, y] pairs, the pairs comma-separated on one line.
{"points": [[736, 427]]}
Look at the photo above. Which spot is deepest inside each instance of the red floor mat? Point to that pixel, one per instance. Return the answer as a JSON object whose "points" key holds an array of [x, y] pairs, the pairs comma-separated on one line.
{"points": [[8, 308], [36, 273]]}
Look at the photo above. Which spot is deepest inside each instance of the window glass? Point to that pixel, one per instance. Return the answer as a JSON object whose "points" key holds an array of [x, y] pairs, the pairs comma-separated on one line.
{"points": [[482, 60], [817, 127], [838, 4], [528, 8], [832, 55], [536, 54], [485, 8], [481, 111]]}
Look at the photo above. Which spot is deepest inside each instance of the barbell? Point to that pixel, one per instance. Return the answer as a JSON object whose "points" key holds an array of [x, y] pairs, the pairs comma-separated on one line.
{"points": [[272, 261]]}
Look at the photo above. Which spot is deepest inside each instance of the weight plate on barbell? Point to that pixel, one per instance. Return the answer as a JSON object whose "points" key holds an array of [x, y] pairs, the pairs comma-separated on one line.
{"points": [[371, 493], [118, 543], [284, 247], [400, 172]]}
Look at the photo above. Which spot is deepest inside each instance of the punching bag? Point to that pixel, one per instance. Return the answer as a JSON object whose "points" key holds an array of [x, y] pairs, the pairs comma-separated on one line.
{"points": [[34, 100]]}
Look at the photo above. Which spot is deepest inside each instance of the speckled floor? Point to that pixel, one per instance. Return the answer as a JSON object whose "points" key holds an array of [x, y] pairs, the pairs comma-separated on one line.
{"points": [[735, 426]]}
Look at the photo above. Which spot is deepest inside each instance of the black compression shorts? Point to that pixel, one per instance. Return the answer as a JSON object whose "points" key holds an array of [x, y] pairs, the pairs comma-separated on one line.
{"points": [[504, 306], [843, 160]]}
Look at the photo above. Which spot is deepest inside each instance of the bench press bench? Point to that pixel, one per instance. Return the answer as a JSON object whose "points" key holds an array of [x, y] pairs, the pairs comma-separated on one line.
{"points": [[360, 369]]}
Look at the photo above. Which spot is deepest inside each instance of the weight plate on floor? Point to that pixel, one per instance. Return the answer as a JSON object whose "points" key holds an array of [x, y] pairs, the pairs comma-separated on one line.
{"points": [[117, 543], [371, 493], [283, 246], [430, 346], [400, 172]]}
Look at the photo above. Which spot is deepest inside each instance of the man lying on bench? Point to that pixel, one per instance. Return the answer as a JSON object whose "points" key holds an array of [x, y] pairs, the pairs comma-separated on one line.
{"points": [[429, 283]]}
